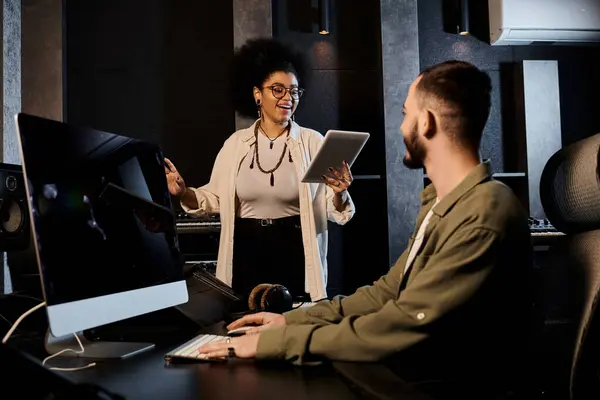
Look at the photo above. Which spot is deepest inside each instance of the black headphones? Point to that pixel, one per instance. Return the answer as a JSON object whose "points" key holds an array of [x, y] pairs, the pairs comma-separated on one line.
{"points": [[271, 298]]}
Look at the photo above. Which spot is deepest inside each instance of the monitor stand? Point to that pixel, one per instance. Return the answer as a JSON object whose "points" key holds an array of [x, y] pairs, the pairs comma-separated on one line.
{"points": [[95, 350]]}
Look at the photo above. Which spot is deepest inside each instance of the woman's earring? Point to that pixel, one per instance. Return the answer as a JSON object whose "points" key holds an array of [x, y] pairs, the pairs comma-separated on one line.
{"points": [[258, 108]]}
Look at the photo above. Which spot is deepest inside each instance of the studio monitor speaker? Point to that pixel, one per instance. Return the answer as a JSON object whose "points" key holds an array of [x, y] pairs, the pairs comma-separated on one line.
{"points": [[14, 211]]}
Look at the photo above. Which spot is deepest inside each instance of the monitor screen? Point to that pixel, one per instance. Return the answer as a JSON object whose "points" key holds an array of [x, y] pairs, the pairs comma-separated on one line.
{"points": [[102, 216]]}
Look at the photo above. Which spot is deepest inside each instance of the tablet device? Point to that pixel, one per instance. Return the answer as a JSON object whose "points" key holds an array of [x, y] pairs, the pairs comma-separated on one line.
{"points": [[337, 147]]}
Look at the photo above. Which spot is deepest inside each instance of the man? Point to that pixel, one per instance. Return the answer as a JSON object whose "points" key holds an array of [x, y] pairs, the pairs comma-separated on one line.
{"points": [[455, 303]]}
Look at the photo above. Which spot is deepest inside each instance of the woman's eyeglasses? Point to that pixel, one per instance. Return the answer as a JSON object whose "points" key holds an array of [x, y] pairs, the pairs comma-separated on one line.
{"points": [[279, 91]]}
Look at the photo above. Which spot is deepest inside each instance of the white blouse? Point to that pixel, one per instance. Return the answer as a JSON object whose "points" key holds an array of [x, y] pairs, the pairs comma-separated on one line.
{"points": [[257, 198], [315, 200]]}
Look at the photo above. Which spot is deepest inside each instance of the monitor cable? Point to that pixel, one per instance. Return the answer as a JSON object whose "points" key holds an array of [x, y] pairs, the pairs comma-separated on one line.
{"points": [[20, 319], [80, 351]]}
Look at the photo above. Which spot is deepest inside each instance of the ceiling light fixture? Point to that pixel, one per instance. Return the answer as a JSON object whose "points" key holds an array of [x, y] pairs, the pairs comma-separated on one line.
{"points": [[463, 27], [324, 17]]}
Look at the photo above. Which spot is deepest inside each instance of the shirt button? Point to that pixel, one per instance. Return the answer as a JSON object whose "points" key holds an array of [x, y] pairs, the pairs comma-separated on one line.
{"points": [[420, 315]]}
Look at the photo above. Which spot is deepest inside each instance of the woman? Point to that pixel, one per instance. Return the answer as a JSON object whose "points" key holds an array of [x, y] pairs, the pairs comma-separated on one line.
{"points": [[273, 227]]}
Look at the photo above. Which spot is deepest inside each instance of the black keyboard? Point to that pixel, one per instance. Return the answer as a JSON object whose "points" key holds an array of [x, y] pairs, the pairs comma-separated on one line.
{"points": [[542, 227], [208, 266], [203, 224]]}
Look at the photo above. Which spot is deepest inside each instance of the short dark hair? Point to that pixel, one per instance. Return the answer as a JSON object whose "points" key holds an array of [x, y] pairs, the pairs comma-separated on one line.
{"points": [[254, 62], [462, 93]]}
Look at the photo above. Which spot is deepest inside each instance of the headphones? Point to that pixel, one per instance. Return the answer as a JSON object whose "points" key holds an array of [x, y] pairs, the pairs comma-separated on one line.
{"points": [[271, 298]]}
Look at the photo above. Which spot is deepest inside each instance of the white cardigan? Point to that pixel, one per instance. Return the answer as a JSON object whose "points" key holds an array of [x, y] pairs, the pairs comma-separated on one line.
{"points": [[316, 203]]}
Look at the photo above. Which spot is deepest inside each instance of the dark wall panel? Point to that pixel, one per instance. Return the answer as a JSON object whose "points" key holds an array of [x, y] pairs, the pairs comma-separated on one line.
{"points": [[114, 59], [492, 144], [344, 91], [355, 32], [437, 45], [579, 88], [156, 70], [198, 108], [350, 100], [365, 238]]}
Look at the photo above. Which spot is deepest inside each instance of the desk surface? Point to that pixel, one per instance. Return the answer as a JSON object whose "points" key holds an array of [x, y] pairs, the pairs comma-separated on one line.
{"points": [[147, 376]]}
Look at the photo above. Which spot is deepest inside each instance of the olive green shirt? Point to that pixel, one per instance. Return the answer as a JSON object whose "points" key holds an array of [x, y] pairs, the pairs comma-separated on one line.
{"points": [[454, 293]]}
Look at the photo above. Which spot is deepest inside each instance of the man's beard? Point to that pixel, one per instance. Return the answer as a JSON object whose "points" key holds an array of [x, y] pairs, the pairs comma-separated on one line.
{"points": [[415, 152]]}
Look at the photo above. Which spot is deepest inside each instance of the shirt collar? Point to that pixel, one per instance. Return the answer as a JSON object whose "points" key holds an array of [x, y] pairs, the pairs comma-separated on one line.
{"points": [[479, 174]]}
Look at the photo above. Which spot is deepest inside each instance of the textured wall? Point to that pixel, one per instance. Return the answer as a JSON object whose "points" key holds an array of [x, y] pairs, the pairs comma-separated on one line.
{"points": [[11, 97], [400, 56], [251, 19], [42, 58], [32, 70], [542, 124], [11, 78]]}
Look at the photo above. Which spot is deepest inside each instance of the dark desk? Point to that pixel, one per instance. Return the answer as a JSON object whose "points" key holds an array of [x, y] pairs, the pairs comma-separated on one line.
{"points": [[146, 376]]}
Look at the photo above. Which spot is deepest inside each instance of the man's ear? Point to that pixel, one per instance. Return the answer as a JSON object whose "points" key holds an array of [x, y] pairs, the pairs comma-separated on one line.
{"points": [[427, 123]]}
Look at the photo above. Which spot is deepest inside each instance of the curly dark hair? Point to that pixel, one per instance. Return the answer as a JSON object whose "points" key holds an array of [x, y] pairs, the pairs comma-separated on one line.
{"points": [[254, 62]]}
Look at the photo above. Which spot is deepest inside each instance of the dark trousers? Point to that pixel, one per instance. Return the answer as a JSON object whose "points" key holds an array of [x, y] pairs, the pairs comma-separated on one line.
{"points": [[268, 251]]}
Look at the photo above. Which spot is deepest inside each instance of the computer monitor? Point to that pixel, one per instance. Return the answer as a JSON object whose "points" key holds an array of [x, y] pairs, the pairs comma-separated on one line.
{"points": [[103, 229]]}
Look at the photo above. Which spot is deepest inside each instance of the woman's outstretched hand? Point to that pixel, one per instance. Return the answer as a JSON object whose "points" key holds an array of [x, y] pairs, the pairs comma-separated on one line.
{"points": [[175, 182]]}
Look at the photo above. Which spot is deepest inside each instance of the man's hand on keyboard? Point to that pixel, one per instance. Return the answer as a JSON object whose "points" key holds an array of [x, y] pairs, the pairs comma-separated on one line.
{"points": [[240, 347], [263, 320]]}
